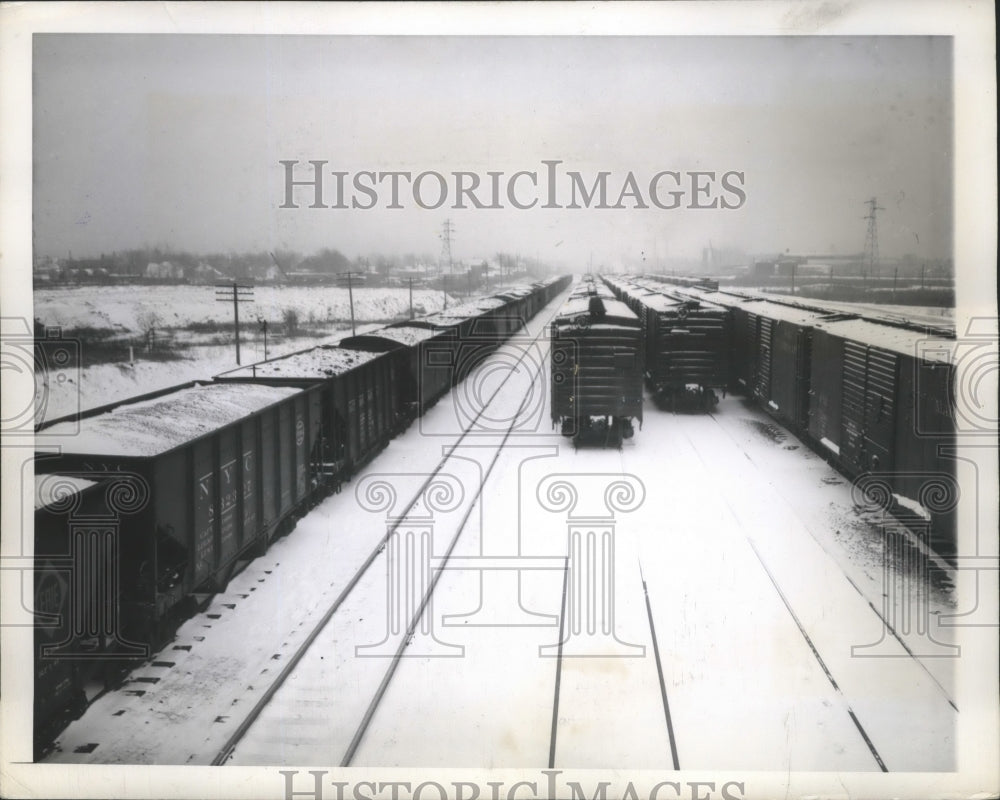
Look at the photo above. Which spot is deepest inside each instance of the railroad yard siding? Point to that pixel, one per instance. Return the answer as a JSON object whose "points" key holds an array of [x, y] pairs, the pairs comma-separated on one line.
{"points": [[732, 508]]}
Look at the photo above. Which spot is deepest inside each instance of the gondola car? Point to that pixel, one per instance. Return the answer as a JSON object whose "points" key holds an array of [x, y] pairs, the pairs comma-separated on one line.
{"points": [[597, 369], [422, 360], [361, 405], [59, 657], [172, 491], [220, 471]]}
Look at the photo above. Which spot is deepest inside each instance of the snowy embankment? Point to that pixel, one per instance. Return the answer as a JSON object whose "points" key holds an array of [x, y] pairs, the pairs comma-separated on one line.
{"points": [[122, 308]]}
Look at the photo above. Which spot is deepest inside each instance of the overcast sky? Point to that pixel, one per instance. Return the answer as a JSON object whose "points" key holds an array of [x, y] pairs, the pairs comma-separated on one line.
{"points": [[175, 140]]}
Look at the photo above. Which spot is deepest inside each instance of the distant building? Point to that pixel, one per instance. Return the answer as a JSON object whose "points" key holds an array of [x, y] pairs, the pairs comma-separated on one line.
{"points": [[204, 273], [164, 271]]}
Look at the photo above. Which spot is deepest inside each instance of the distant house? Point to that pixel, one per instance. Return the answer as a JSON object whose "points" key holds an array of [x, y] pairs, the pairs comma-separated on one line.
{"points": [[164, 271], [204, 273], [266, 273]]}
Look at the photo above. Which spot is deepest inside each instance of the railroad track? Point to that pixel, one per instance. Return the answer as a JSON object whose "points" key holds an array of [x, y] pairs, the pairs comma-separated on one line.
{"points": [[306, 648], [803, 628], [916, 543]]}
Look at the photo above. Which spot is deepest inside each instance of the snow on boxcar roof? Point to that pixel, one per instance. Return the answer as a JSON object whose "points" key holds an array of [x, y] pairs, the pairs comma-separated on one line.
{"points": [[150, 427], [615, 311], [784, 313], [897, 340], [50, 489], [317, 363], [662, 302]]}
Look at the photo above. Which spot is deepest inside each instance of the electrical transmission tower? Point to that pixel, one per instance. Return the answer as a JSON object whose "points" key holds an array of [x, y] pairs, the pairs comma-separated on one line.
{"points": [[871, 238], [446, 233]]}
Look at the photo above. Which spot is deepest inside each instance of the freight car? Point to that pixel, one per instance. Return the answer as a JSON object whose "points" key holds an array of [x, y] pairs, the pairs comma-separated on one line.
{"points": [[882, 407], [207, 475], [597, 366], [60, 657], [149, 504], [362, 404], [421, 357], [872, 396], [686, 345]]}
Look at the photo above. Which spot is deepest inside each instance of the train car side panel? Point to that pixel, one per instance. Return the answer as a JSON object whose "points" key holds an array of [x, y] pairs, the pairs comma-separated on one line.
{"points": [[205, 512], [826, 386]]}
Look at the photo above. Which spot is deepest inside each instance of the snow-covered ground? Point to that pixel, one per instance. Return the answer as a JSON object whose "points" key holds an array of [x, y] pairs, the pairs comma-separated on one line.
{"points": [[74, 389], [722, 532], [122, 308]]}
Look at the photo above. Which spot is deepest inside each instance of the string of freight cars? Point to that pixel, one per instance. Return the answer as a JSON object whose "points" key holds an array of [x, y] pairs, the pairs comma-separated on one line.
{"points": [[319, 187]]}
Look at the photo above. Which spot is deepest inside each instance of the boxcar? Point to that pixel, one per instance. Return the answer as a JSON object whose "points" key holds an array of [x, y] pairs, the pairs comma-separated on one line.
{"points": [[597, 369], [686, 347], [881, 406], [773, 356], [224, 469]]}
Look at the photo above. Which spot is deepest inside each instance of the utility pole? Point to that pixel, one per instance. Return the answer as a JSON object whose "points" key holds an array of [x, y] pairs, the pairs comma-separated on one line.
{"points": [[350, 297], [263, 327], [447, 230], [411, 298], [238, 294]]}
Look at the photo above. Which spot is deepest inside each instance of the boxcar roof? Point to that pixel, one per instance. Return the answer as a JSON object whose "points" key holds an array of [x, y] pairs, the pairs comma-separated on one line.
{"points": [[616, 312], [778, 311], [897, 340], [50, 489], [151, 427], [662, 302]]}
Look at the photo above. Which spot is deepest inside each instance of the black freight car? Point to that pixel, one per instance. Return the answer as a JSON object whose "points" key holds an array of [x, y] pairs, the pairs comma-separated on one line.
{"points": [[882, 406], [362, 407], [686, 349], [60, 648], [773, 357], [597, 369], [423, 361], [222, 469], [473, 332]]}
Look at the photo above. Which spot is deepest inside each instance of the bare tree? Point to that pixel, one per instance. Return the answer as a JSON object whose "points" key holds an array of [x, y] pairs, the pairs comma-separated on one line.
{"points": [[148, 322]]}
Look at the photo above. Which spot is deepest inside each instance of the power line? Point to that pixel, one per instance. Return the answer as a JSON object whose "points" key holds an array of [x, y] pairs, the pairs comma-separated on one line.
{"points": [[225, 293]]}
